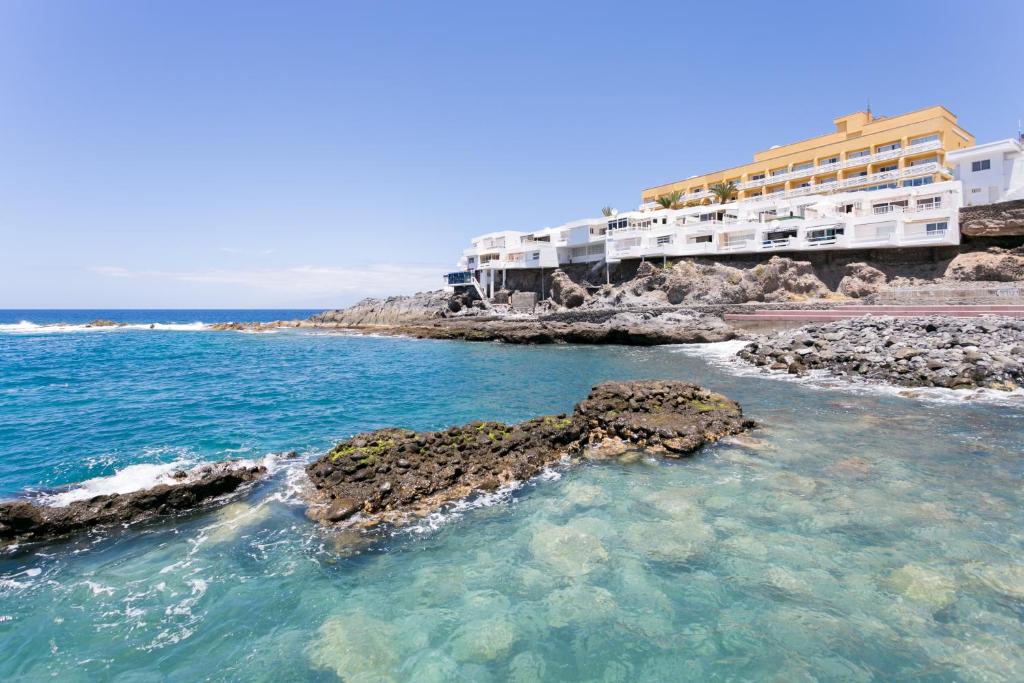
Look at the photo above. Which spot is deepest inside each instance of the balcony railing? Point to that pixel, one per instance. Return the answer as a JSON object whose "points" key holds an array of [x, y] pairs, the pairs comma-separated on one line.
{"points": [[848, 163], [781, 243]]}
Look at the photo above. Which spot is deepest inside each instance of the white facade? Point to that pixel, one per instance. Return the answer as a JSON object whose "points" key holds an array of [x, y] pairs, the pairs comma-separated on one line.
{"points": [[899, 213], [990, 173]]}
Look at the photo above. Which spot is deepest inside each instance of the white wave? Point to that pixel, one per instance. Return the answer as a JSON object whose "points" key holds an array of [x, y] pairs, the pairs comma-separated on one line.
{"points": [[145, 476], [28, 327], [126, 480], [501, 496]]}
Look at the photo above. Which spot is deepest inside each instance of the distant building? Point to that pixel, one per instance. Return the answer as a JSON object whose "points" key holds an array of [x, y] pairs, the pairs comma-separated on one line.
{"points": [[864, 151], [990, 173], [874, 183]]}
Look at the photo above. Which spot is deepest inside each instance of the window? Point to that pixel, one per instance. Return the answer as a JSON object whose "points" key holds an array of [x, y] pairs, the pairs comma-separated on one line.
{"points": [[702, 238], [917, 182], [663, 239], [926, 160], [830, 160], [982, 165], [927, 138], [803, 166], [859, 154], [807, 184], [758, 176], [929, 203], [779, 171], [890, 167], [889, 147], [535, 256], [823, 235], [932, 228], [617, 223]]}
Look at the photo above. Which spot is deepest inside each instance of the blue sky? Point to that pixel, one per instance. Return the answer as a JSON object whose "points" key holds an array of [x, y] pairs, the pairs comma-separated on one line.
{"points": [[247, 154]]}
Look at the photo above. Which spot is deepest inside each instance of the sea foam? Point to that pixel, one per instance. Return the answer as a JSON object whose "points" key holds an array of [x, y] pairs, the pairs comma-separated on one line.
{"points": [[29, 327]]}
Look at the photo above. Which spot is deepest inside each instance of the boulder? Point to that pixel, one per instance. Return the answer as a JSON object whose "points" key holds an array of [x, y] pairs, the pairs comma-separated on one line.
{"points": [[860, 280], [998, 265], [566, 292]]}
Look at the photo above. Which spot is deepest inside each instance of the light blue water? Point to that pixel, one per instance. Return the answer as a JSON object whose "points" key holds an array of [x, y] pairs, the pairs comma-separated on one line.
{"points": [[857, 536]]}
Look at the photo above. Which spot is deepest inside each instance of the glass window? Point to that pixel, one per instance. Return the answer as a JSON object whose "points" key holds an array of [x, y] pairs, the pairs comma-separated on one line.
{"points": [[889, 147], [925, 138], [982, 165], [759, 176], [858, 154], [917, 182], [936, 227]]}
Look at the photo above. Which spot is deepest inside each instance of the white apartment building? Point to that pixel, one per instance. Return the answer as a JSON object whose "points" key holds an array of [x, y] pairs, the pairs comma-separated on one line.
{"points": [[990, 173], [895, 213]]}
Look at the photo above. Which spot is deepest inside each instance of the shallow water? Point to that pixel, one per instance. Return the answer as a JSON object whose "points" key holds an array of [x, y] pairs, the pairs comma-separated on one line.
{"points": [[857, 535]]}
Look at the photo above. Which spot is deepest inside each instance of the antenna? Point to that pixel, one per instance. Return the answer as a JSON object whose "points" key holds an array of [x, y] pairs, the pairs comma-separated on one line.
{"points": [[869, 107]]}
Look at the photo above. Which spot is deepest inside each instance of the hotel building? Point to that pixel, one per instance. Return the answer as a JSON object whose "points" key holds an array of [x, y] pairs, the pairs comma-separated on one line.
{"points": [[873, 183]]}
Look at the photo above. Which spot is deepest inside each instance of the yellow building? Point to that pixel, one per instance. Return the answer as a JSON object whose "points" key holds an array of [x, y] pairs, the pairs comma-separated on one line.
{"points": [[864, 152]]}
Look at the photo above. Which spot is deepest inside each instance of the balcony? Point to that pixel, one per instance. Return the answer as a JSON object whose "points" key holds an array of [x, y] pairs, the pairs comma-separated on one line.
{"points": [[782, 243], [919, 148], [927, 236], [737, 245]]}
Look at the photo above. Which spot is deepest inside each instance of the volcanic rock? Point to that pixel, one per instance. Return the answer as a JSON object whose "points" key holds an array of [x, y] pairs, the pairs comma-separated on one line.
{"points": [[365, 473]]}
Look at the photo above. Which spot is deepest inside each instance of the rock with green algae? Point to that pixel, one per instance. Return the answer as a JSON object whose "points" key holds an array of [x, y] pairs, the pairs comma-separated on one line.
{"points": [[392, 474]]}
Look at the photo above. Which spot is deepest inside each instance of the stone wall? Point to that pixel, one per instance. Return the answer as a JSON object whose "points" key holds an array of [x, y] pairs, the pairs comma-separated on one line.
{"points": [[1005, 219]]}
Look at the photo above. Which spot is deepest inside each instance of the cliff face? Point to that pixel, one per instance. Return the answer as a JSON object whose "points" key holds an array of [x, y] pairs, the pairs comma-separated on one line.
{"points": [[1005, 219]]}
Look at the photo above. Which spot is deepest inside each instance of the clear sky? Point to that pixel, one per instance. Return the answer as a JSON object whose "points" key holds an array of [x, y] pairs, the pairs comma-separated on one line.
{"points": [[305, 154]]}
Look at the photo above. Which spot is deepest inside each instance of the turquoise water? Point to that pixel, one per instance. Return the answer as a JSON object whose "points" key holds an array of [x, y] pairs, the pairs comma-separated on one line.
{"points": [[857, 536]]}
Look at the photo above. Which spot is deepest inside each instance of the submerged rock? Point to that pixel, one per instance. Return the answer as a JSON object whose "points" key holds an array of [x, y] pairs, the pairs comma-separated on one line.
{"points": [[24, 520], [387, 474]]}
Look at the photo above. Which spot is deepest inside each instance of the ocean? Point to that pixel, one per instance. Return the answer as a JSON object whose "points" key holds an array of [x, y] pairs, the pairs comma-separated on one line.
{"points": [[858, 534]]}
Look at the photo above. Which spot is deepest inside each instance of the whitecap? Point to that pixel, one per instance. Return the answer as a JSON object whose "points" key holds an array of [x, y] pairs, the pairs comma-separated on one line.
{"points": [[29, 327]]}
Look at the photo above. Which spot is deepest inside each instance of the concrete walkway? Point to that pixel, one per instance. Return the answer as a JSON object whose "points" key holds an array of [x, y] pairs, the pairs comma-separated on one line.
{"points": [[855, 311]]}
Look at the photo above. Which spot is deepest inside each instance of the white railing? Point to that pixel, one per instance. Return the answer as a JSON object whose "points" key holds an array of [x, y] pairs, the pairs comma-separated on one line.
{"points": [[736, 245], [837, 165], [778, 243], [937, 235], [691, 248]]}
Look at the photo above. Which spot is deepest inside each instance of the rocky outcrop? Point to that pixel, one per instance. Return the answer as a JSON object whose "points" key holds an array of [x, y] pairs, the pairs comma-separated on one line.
{"points": [[1004, 219], [994, 265], [25, 520], [389, 474], [920, 352], [640, 328], [395, 310], [861, 280], [690, 282], [565, 292]]}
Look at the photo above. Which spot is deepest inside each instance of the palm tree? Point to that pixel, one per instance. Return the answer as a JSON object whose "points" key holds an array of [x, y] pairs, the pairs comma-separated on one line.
{"points": [[607, 211], [670, 200], [724, 191]]}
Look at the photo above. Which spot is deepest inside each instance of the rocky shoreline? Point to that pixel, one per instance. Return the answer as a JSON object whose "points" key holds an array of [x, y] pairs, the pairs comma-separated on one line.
{"points": [[931, 351], [391, 475], [27, 521]]}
